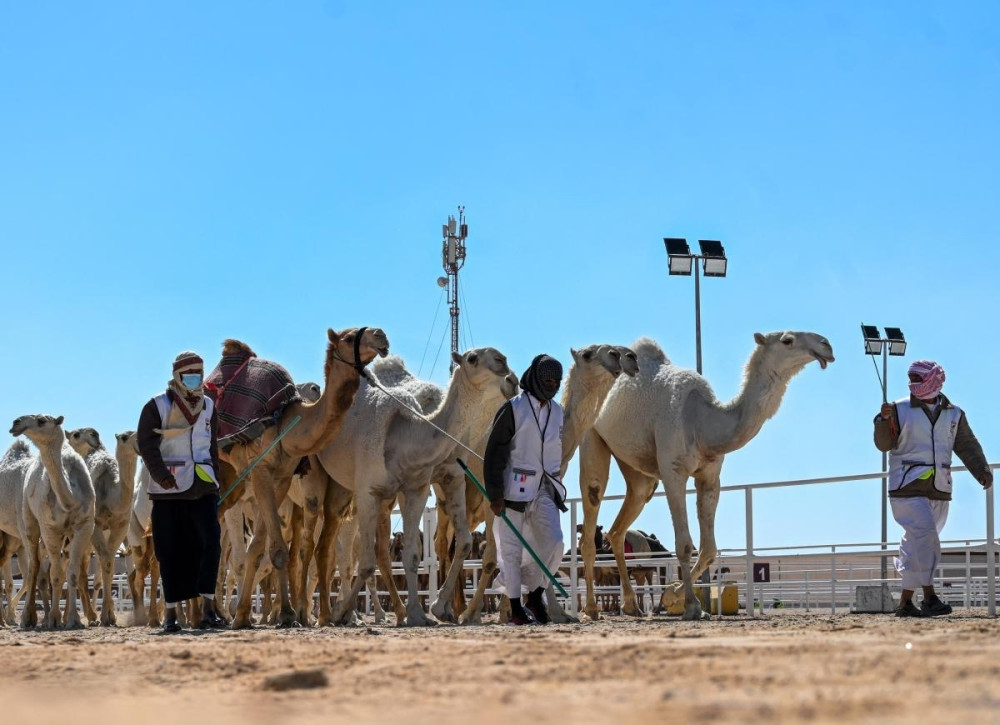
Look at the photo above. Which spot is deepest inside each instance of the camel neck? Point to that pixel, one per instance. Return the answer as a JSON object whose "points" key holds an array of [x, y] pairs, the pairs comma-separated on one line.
{"points": [[582, 400], [126, 473], [733, 425], [51, 457], [322, 420]]}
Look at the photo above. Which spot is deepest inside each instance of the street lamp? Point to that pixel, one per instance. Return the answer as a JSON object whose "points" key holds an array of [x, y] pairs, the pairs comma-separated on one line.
{"points": [[680, 262], [894, 343]]}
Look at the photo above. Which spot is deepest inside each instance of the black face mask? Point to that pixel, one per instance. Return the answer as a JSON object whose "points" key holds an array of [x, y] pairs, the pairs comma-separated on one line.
{"points": [[543, 378]]}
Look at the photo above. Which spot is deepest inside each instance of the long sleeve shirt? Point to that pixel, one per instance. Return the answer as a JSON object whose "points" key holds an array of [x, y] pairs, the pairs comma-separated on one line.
{"points": [[498, 452], [967, 448], [148, 441]]}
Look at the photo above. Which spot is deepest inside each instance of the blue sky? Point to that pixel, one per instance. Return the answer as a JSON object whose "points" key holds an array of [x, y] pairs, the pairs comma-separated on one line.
{"points": [[175, 176]]}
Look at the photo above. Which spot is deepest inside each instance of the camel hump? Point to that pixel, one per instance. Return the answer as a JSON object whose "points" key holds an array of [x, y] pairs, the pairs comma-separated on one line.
{"points": [[232, 346], [646, 348], [390, 370], [17, 451]]}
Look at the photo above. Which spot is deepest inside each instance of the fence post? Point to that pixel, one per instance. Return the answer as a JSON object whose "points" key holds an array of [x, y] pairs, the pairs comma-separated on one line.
{"points": [[574, 561], [833, 580], [749, 573], [807, 590], [991, 580], [968, 575]]}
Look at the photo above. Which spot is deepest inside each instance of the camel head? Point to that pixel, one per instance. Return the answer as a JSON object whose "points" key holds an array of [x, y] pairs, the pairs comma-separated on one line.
{"points": [[788, 352], [598, 357], [310, 392], [486, 366], [374, 343], [630, 363], [84, 440], [127, 440], [39, 429]]}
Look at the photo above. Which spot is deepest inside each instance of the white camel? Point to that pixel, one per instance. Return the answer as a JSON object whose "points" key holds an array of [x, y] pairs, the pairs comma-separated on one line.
{"points": [[58, 505], [384, 450], [112, 512], [13, 469], [666, 424], [140, 540]]}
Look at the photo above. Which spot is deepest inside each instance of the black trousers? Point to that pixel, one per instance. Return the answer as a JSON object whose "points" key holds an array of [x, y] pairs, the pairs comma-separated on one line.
{"points": [[186, 539]]}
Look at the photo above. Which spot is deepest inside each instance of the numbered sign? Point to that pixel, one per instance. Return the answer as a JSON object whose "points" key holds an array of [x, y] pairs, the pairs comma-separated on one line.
{"points": [[761, 572]]}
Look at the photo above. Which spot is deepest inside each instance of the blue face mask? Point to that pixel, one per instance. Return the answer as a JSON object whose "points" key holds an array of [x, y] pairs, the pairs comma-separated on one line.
{"points": [[191, 381]]}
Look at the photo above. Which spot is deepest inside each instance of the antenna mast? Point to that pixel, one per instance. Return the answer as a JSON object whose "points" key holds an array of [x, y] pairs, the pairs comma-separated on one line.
{"points": [[453, 259]]}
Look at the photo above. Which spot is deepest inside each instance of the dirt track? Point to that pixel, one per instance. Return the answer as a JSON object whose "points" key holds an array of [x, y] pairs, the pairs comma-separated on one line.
{"points": [[785, 667]]}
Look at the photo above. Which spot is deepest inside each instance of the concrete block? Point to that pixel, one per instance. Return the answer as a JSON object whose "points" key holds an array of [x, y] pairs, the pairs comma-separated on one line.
{"points": [[873, 598]]}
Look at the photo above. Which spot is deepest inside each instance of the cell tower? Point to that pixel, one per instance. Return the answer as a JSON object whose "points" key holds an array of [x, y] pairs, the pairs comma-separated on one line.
{"points": [[453, 259]]}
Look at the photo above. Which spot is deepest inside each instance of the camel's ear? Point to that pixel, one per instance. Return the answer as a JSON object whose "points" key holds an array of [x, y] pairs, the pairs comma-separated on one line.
{"points": [[575, 353], [457, 358], [58, 421], [759, 338], [332, 336]]}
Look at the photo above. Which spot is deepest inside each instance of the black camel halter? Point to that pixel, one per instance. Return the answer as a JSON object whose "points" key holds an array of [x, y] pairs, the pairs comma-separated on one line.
{"points": [[358, 366]]}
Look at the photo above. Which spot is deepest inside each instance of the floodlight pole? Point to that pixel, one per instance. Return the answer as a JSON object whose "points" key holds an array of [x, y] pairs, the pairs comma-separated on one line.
{"points": [[885, 467], [697, 314]]}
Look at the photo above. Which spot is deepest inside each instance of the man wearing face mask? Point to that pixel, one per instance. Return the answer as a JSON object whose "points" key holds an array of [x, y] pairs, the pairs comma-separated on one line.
{"points": [[521, 471], [920, 433], [178, 443]]}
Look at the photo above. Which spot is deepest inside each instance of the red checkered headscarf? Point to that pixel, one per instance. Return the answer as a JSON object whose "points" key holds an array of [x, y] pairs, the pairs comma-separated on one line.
{"points": [[931, 379]]}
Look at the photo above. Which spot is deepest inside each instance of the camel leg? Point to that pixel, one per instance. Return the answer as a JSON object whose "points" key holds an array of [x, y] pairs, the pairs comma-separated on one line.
{"points": [[106, 560], [595, 467], [707, 487], [83, 588], [307, 543], [336, 504], [676, 485], [254, 556], [157, 607], [79, 543], [473, 613], [269, 497], [367, 515], [233, 518], [295, 557], [638, 489], [382, 536], [454, 501], [29, 578], [414, 503]]}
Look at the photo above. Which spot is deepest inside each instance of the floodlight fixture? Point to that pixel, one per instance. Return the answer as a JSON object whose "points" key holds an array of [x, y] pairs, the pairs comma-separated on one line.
{"points": [[897, 343], [680, 261], [442, 282], [714, 256], [873, 340]]}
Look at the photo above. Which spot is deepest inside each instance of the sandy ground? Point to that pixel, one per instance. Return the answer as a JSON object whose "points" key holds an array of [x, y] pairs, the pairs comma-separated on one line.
{"points": [[782, 667]]}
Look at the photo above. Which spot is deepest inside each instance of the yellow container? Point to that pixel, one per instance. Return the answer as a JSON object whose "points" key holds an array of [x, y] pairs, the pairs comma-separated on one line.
{"points": [[725, 600]]}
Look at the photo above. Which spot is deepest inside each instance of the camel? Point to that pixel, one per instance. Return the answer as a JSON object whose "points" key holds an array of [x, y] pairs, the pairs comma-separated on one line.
{"points": [[384, 450], [140, 537], [112, 511], [347, 354], [594, 370], [58, 504], [13, 468], [666, 424]]}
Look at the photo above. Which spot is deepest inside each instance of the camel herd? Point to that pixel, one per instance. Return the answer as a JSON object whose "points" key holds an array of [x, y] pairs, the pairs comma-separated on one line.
{"points": [[370, 448]]}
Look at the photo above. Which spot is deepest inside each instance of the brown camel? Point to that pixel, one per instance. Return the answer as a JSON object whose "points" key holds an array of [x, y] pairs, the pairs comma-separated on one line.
{"points": [[321, 421]]}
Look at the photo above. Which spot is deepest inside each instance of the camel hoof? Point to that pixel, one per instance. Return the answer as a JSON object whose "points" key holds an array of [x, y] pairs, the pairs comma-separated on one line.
{"points": [[416, 619], [380, 618], [443, 611], [695, 614], [241, 623], [564, 618], [74, 624]]}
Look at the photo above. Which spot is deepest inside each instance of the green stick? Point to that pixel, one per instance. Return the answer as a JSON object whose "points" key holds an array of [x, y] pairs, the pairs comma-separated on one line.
{"points": [[503, 515], [258, 459]]}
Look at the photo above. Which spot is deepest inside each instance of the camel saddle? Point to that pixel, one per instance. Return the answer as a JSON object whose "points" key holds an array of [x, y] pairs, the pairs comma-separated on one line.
{"points": [[249, 394]]}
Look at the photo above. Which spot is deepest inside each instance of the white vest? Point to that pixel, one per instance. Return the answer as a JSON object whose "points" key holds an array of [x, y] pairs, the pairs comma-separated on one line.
{"points": [[181, 452], [535, 449], [922, 447]]}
